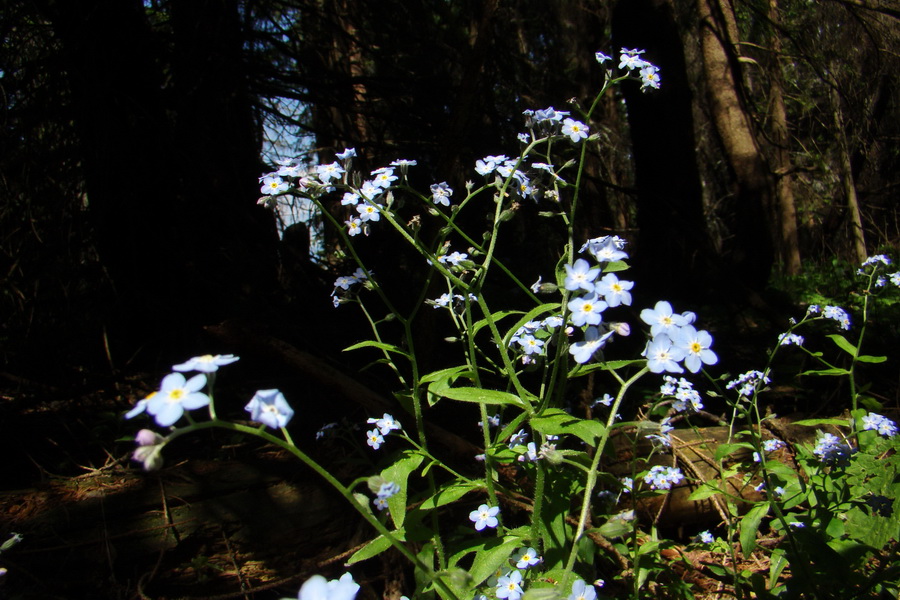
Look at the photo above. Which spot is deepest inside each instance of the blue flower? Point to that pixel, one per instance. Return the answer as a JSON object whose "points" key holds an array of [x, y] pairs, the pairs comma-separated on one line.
{"points": [[695, 346], [601, 58], [663, 478], [883, 425], [485, 516], [388, 489], [508, 587], [441, 192], [374, 439], [649, 77], [207, 363], [270, 408], [662, 355], [662, 319], [581, 276], [526, 557], [385, 424], [318, 588], [705, 537], [583, 351], [174, 396], [273, 185], [347, 153], [575, 130], [585, 310], [833, 451], [582, 591], [613, 290]]}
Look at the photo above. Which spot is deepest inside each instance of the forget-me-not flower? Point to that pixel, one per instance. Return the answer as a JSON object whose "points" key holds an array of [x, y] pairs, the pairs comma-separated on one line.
{"points": [[207, 363], [174, 396], [526, 557], [270, 408], [319, 588], [582, 591], [485, 516], [508, 586]]}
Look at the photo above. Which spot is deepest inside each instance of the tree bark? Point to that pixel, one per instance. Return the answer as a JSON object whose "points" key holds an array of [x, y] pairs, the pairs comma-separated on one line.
{"points": [[789, 242], [753, 243]]}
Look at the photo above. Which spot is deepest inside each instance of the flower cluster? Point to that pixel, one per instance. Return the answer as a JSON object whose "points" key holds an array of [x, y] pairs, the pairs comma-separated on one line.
{"points": [[593, 295], [383, 426], [531, 337], [883, 425], [686, 397], [663, 478], [674, 340], [832, 451], [344, 286], [385, 490], [632, 61], [748, 383]]}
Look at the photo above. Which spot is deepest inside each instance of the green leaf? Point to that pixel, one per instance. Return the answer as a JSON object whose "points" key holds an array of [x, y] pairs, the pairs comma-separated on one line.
{"points": [[703, 492], [865, 358], [834, 372], [491, 556], [480, 396], [379, 345], [613, 529], [399, 473], [495, 317], [615, 266], [612, 365], [374, 547], [750, 525], [723, 450], [448, 494], [554, 421], [843, 344]]}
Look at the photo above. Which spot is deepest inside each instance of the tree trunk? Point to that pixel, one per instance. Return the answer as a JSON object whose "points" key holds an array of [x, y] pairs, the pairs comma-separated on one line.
{"points": [[788, 243], [753, 242], [857, 234], [171, 160]]}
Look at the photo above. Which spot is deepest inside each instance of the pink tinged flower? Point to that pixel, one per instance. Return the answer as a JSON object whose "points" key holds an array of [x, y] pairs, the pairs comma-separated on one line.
{"points": [[270, 408], [581, 276], [175, 396], [575, 130], [586, 310], [614, 290], [485, 516], [149, 450], [208, 363], [696, 347]]}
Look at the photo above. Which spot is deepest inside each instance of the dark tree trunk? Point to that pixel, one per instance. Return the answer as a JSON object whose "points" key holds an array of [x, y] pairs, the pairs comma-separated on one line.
{"points": [[170, 157], [672, 250]]}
